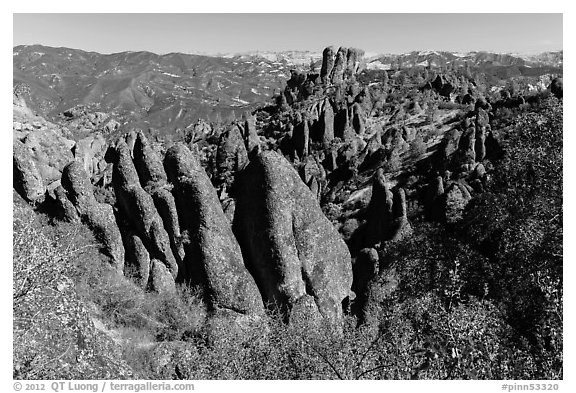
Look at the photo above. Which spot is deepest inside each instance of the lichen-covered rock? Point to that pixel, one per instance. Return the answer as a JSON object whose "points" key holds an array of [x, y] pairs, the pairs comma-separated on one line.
{"points": [[290, 246], [229, 284], [98, 216]]}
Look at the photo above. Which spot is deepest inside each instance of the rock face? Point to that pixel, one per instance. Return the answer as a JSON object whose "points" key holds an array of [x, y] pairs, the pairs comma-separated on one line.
{"points": [[251, 139], [138, 207], [327, 64], [291, 248], [339, 65], [229, 284], [98, 216], [91, 151], [153, 178]]}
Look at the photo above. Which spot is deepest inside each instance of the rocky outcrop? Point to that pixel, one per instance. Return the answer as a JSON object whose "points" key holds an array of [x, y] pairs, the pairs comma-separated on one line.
{"points": [[231, 156], [229, 285], [434, 195], [467, 146], [91, 152], [248, 130], [301, 137], [98, 216], [138, 207], [327, 64], [27, 179], [290, 247], [339, 65], [366, 267], [353, 58], [153, 178], [386, 213], [327, 123], [482, 128], [400, 227]]}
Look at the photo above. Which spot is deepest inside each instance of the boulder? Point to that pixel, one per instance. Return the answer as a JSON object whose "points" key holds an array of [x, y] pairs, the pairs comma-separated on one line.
{"points": [[138, 264], [26, 177], [290, 247], [161, 280], [65, 209]]}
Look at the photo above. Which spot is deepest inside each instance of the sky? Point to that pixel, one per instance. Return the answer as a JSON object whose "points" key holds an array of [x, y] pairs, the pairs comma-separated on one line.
{"points": [[236, 33]]}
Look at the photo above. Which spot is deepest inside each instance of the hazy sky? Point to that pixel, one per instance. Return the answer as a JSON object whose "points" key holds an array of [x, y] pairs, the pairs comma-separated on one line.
{"points": [[219, 33]]}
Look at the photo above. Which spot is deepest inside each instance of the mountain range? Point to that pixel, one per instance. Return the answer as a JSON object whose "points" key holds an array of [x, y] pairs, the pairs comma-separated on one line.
{"points": [[172, 91]]}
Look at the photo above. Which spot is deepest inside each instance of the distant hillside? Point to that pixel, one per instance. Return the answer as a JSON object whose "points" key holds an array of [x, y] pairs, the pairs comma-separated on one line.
{"points": [[153, 90], [483, 60]]}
